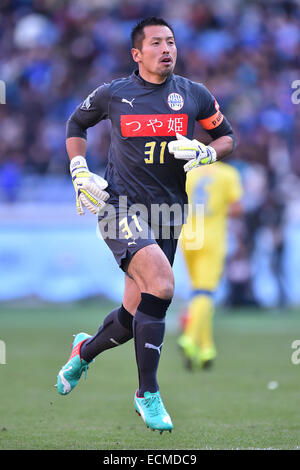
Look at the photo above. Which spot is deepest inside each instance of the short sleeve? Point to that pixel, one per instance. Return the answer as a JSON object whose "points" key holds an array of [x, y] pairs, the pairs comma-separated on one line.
{"points": [[92, 110], [209, 115]]}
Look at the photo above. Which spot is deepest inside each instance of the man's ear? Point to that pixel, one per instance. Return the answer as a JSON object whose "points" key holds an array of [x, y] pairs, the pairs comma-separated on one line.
{"points": [[136, 54]]}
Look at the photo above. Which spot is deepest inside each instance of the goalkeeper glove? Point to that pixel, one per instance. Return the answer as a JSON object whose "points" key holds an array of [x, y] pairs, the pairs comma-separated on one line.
{"points": [[197, 153], [88, 186]]}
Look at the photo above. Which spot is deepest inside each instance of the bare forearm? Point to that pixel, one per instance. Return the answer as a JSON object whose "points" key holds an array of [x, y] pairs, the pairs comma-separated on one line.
{"points": [[223, 146], [76, 146]]}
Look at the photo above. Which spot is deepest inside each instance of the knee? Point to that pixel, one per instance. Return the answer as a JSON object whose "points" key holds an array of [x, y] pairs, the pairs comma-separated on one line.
{"points": [[163, 287], [152, 272]]}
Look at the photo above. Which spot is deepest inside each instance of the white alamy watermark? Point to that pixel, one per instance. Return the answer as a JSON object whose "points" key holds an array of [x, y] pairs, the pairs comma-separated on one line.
{"points": [[159, 221], [296, 94], [295, 358], [2, 92], [2, 352]]}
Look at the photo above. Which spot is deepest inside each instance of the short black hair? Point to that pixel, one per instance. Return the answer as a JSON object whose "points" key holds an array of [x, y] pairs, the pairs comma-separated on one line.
{"points": [[138, 35]]}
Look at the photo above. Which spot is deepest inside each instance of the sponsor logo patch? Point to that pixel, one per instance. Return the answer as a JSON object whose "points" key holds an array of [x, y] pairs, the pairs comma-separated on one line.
{"points": [[151, 125]]}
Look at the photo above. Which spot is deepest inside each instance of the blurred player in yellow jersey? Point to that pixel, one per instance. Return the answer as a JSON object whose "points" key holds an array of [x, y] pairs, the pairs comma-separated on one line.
{"points": [[218, 188]]}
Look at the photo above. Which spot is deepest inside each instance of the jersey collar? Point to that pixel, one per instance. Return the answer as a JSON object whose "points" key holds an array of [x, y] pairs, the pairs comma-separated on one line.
{"points": [[137, 78]]}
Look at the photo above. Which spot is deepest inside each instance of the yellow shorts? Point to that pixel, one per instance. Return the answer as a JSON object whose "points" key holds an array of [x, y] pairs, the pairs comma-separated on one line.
{"points": [[205, 267]]}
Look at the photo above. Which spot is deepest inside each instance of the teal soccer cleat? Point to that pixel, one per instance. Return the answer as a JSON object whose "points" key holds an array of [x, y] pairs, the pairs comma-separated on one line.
{"points": [[69, 375], [153, 412]]}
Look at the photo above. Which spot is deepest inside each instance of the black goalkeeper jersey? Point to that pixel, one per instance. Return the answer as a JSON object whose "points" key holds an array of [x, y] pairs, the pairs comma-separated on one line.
{"points": [[144, 118]]}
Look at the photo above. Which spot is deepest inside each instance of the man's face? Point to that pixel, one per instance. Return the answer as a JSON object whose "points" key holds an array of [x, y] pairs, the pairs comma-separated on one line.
{"points": [[157, 57]]}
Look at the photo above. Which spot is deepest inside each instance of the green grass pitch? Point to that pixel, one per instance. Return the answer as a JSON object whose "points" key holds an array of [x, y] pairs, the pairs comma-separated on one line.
{"points": [[227, 407]]}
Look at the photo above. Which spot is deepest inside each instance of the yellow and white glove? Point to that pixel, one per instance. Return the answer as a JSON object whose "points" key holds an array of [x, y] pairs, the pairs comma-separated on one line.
{"points": [[89, 187], [197, 153]]}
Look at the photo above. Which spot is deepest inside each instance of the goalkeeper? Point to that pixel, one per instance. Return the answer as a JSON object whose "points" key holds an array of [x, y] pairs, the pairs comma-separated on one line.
{"points": [[147, 165]]}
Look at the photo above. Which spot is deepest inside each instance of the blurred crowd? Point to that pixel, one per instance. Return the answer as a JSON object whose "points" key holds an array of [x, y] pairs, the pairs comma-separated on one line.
{"points": [[53, 53]]}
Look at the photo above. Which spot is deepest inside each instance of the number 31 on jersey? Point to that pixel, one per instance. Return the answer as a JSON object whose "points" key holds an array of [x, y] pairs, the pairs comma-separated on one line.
{"points": [[150, 150]]}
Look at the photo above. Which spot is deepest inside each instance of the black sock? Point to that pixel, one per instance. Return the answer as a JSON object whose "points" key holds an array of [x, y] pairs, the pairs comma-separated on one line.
{"points": [[115, 330], [149, 331]]}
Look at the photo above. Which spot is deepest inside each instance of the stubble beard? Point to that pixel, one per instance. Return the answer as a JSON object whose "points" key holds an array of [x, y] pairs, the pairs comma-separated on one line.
{"points": [[165, 73]]}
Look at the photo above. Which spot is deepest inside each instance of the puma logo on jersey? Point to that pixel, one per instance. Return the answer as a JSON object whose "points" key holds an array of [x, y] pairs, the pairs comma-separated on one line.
{"points": [[124, 100], [152, 346], [87, 102]]}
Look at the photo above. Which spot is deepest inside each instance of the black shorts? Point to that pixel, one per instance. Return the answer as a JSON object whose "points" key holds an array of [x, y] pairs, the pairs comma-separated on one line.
{"points": [[126, 234]]}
